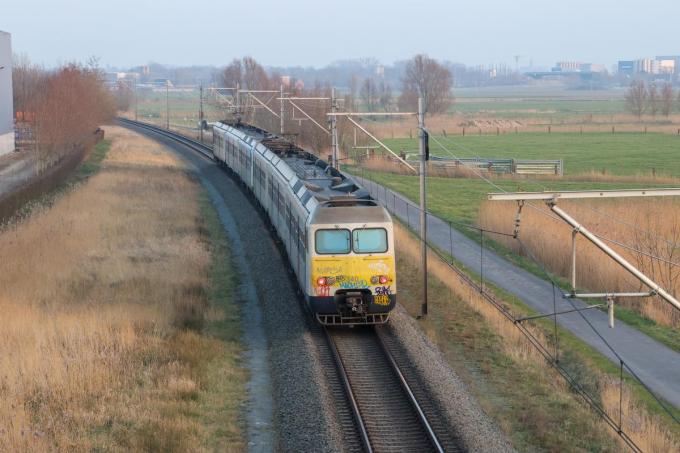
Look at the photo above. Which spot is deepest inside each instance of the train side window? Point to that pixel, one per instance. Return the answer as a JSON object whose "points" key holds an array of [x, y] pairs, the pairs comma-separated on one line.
{"points": [[332, 242], [369, 240]]}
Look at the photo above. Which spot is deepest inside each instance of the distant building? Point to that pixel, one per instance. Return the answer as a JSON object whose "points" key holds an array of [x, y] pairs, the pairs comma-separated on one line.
{"points": [[626, 67], [380, 71], [162, 83], [666, 63], [128, 78], [568, 66], [6, 107], [576, 66], [663, 65]]}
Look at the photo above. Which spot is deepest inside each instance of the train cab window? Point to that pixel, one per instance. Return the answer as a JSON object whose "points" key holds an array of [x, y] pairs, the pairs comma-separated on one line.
{"points": [[331, 242], [369, 240]]}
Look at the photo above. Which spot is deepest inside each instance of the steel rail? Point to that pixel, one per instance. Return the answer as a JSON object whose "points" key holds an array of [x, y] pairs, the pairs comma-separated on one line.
{"points": [[200, 147], [363, 433], [355, 404], [421, 415]]}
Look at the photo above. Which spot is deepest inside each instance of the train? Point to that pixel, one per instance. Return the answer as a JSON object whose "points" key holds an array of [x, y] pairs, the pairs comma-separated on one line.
{"points": [[339, 241]]}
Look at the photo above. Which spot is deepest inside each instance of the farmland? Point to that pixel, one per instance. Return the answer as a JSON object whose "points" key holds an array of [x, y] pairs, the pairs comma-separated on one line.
{"points": [[616, 154], [460, 199]]}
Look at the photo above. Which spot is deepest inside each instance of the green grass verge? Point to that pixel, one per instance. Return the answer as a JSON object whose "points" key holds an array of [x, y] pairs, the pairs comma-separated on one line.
{"points": [[221, 401], [93, 163]]}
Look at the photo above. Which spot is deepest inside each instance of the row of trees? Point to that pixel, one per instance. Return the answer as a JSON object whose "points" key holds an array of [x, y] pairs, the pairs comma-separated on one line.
{"points": [[642, 98], [64, 106], [424, 77]]}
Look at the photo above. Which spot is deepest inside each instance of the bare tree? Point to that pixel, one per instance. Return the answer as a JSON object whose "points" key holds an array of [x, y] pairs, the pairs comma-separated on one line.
{"points": [[368, 93], [385, 96], [254, 75], [667, 98], [653, 97], [636, 98], [353, 90], [27, 80], [63, 106], [124, 96], [425, 77], [232, 74]]}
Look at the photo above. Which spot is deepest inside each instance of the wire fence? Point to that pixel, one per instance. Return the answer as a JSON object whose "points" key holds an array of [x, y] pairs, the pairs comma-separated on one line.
{"points": [[440, 229]]}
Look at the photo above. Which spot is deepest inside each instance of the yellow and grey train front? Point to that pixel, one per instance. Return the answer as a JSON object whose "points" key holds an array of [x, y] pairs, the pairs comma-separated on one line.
{"points": [[352, 268]]}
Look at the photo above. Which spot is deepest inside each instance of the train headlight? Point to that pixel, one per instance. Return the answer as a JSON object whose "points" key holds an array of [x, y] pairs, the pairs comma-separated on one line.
{"points": [[321, 281], [383, 279]]}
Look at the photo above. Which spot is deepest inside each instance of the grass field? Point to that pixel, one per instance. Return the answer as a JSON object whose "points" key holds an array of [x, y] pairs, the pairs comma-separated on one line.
{"points": [[618, 154], [460, 199], [545, 109], [536, 102], [182, 105]]}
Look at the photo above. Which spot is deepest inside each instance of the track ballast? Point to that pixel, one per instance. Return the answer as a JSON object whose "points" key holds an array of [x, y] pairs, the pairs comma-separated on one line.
{"points": [[387, 414]]}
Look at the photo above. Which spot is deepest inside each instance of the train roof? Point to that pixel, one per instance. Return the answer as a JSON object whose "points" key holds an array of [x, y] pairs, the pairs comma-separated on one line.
{"points": [[323, 182], [330, 214]]}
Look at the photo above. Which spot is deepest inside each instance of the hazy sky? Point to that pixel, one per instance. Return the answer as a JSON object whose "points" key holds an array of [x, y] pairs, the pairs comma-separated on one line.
{"points": [[306, 32]]}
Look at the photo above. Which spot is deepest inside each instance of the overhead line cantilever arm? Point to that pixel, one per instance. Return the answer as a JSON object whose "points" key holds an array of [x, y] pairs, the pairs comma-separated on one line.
{"points": [[308, 117], [579, 194], [264, 105], [382, 144], [616, 257]]}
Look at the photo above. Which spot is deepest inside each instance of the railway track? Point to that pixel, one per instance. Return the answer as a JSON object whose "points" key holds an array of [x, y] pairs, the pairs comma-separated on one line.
{"points": [[385, 410], [377, 398], [201, 148]]}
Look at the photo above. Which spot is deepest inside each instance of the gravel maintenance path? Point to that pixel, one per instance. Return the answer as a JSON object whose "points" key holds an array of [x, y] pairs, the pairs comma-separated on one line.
{"points": [[657, 365]]}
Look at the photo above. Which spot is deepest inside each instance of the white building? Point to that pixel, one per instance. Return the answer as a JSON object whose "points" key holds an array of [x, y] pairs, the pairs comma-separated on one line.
{"points": [[6, 108]]}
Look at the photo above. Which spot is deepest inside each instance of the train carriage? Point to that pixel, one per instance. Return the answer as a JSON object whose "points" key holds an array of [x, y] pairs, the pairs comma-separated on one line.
{"points": [[339, 242]]}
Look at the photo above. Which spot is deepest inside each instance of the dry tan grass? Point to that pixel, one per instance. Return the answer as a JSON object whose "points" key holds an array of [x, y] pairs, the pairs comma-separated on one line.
{"points": [[515, 344], [550, 241], [485, 123], [646, 429], [94, 290]]}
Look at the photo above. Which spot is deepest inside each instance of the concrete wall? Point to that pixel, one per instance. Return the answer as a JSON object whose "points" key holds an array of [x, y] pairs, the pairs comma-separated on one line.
{"points": [[6, 109]]}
